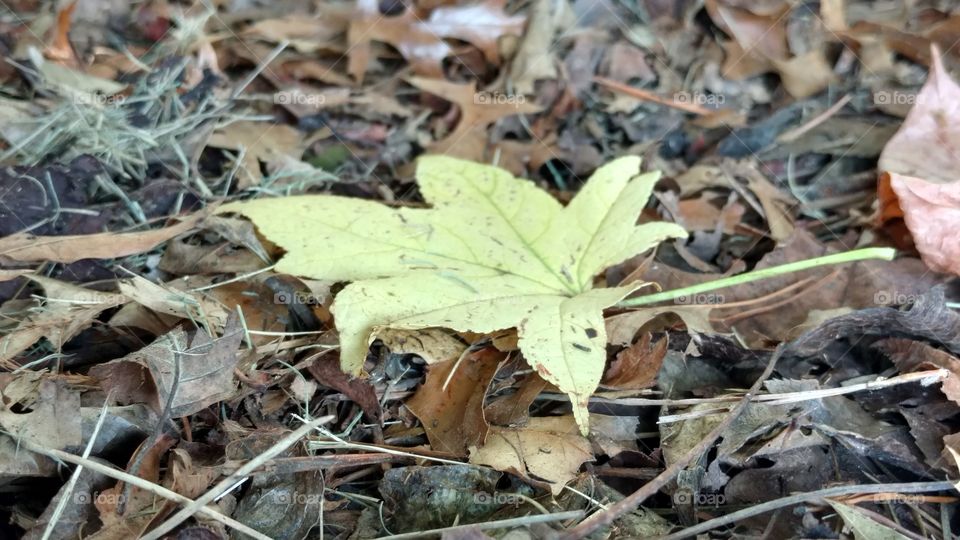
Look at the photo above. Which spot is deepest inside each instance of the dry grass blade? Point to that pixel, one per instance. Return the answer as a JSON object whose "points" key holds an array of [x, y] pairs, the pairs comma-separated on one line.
{"points": [[142, 484]]}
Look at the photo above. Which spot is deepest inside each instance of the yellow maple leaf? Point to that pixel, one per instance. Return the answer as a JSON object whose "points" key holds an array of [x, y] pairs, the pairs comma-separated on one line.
{"points": [[493, 252]]}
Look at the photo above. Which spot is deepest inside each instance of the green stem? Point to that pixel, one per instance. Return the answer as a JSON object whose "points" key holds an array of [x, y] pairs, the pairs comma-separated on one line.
{"points": [[886, 254]]}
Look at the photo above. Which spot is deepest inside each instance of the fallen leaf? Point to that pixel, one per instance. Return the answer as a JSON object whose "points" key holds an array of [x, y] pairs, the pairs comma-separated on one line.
{"points": [[190, 374], [515, 408], [420, 38], [534, 59], [452, 414], [761, 45], [917, 166], [547, 448], [434, 345], [477, 111], [127, 510], [25, 247], [67, 310], [326, 371], [169, 301], [864, 527], [305, 34], [258, 141], [636, 367], [495, 252], [53, 422], [910, 356]]}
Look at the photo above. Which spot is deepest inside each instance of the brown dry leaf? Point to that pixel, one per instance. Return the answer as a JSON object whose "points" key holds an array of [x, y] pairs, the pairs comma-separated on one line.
{"points": [[761, 45], [477, 111], [67, 310], [53, 422], [776, 204], [919, 167], [326, 370], [191, 374], [623, 327], [910, 356], [636, 367], [59, 49], [269, 143], [452, 414], [167, 300], [24, 247], [700, 214], [126, 512], [305, 34], [549, 448], [515, 408], [434, 345], [534, 59], [419, 37]]}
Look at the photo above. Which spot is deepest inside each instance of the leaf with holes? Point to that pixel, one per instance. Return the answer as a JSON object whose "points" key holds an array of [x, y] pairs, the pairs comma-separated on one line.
{"points": [[493, 252]]}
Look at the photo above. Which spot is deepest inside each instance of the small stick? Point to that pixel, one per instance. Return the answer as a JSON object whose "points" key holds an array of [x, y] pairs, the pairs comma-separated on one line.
{"points": [[630, 503], [650, 96], [122, 476], [796, 133], [72, 483], [235, 477]]}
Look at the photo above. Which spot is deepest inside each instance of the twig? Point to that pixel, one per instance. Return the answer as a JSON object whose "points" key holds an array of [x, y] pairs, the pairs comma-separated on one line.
{"points": [[630, 503], [912, 487], [122, 476], [795, 134], [650, 96], [72, 483], [923, 377], [500, 524], [886, 254], [231, 480]]}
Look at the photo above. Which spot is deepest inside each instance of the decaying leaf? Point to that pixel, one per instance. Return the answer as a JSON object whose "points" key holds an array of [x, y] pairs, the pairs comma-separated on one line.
{"points": [[54, 421], [547, 448], [419, 38], [190, 374], [477, 111], [276, 145], [494, 252], [863, 527], [66, 311], [636, 366], [918, 166], [432, 344], [25, 247], [452, 414]]}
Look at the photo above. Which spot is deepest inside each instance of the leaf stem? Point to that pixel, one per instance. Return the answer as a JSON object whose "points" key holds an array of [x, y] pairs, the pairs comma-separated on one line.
{"points": [[886, 254]]}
